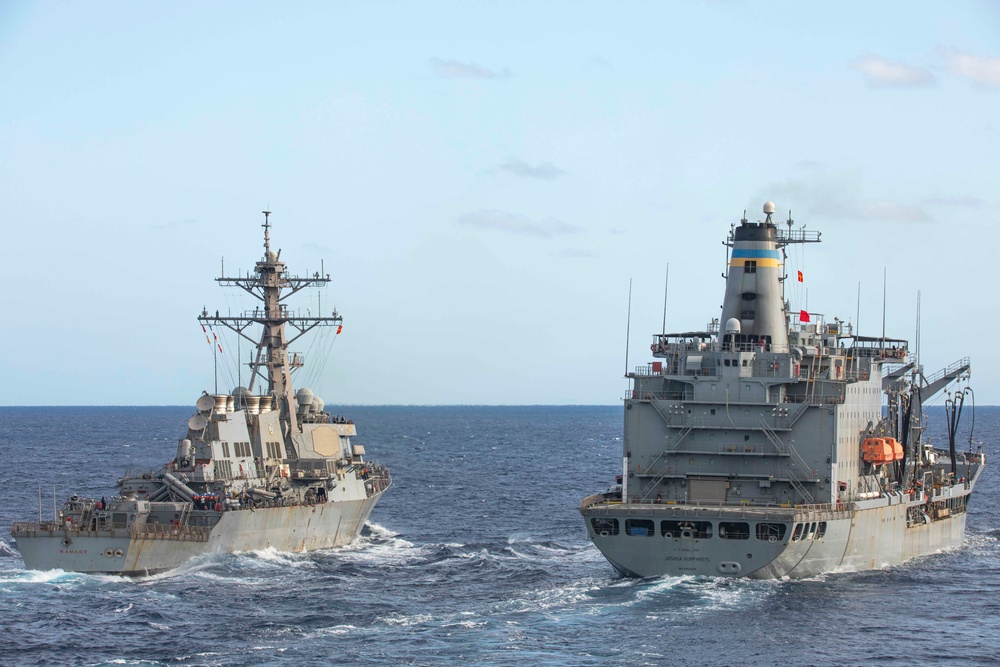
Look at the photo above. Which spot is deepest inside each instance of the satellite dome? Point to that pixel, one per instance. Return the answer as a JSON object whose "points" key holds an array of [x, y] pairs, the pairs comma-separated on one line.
{"points": [[240, 396], [732, 326], [304, 398], [769, 207], [318, 404]]}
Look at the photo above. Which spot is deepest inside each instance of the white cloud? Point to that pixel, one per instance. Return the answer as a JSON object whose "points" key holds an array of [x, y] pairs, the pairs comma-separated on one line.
{"points": [[319, 247], [808, 164], [576, 253], [979, 69], [456, 70], [958, 201], [882, 73], [837, 196], [597, 62], [515, 223], [174, 224], [545, 171], [894, 211]]}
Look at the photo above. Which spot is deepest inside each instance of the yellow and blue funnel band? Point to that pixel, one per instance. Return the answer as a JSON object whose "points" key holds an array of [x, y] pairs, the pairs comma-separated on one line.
{"points": [[768, 259]]}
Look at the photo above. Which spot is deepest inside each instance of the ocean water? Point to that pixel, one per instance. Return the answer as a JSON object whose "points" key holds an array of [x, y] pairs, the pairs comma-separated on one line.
{"points": [[476, 556]]}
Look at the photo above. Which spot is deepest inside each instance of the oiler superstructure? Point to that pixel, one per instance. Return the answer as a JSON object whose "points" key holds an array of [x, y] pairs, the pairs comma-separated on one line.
{"points": [[259, 467], [761, 448]]}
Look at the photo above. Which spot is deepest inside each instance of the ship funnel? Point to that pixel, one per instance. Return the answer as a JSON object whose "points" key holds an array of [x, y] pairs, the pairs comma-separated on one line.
{"points": [[753, 289]]}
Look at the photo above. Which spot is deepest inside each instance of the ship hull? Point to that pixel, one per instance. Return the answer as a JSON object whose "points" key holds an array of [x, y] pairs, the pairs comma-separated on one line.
{"points": [[868, 535], [297, 528]]}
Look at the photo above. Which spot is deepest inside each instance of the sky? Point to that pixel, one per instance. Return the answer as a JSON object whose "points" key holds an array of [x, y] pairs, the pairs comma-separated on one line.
{"points": [[482, 181]]}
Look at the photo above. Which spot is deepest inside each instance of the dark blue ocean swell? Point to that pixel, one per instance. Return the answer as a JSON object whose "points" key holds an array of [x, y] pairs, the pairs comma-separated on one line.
{"points": [[476, 556]]}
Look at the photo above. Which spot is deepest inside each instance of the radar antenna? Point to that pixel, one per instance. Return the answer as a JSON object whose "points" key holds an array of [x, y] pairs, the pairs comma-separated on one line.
{"points": [[267, 236]]}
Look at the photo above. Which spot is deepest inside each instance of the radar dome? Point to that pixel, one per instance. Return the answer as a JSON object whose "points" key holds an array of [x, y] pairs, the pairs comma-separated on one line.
{"points": [[318, 404], [240, 395], [769, 207], [304, 398], [732, 326]]}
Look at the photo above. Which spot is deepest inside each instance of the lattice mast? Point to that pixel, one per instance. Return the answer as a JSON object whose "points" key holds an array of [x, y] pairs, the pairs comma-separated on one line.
{"points": [[270, 284]]}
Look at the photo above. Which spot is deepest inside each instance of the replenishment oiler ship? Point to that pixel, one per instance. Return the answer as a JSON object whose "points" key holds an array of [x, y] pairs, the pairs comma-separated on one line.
{"points": [[260, 467], [781, 444]]}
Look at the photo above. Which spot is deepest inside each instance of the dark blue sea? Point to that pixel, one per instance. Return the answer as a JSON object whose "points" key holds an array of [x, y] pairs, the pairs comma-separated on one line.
{"points": [[476, 556]]}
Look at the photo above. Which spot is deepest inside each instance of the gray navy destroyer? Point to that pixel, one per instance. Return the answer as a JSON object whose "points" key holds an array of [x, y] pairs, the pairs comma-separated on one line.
{"points": [[261, 467], [781, 444]]}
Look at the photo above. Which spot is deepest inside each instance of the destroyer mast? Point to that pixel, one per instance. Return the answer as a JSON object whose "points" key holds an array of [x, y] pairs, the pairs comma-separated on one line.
{"points": [[272, 361]]}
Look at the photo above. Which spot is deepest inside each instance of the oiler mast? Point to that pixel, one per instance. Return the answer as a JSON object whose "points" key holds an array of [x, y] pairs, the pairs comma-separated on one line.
{"points": [[272, 361]]}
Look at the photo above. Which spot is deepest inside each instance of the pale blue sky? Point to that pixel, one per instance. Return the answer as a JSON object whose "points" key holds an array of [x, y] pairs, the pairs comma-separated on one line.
{"points": [[482, 180]]}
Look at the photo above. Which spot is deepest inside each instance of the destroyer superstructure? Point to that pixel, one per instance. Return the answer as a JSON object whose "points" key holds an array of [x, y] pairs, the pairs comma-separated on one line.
{"points": [[259, 467], [761, 448]]}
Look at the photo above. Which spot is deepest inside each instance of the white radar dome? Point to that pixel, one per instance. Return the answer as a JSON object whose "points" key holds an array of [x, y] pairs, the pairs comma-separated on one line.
{"points": [[769, 207], [732, 326], [304, 397]]}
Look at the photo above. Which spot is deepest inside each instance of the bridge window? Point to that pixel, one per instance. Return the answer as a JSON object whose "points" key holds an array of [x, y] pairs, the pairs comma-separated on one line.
{"points": [[639, 527], [734, 530], [604, 526], [699, 530], [771, 532]]}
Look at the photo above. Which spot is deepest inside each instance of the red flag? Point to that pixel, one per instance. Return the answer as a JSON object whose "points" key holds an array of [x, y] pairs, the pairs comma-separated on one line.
{"points": [[803, 316], [204, 329], [800, 276], [339, 328], [220, 348]]}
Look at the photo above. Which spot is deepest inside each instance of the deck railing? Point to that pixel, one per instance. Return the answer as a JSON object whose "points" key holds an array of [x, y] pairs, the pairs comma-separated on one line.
{"points": [[668, 508], [147, 531]]}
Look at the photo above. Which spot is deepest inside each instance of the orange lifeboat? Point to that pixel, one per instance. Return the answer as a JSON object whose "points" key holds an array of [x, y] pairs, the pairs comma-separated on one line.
{"points": [[877, 450], [897, 449]]}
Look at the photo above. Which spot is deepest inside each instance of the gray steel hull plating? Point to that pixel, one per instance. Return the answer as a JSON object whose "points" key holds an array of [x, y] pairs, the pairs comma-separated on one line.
{"points": [[297, 528], [871, 536]]}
